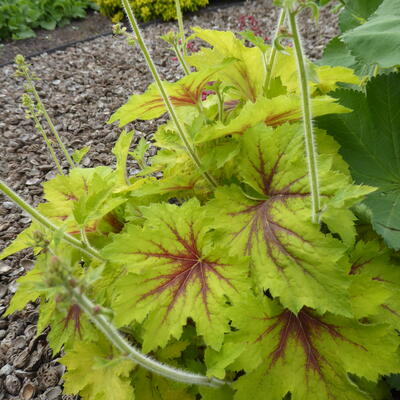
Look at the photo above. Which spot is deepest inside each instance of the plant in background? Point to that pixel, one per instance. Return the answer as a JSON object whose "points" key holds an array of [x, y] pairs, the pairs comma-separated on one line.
{"points": [[19, 18], [147, 10], [252, 262]]}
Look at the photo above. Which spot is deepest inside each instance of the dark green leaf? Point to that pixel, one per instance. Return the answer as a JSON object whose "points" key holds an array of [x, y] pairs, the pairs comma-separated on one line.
{"points": [[370, 140], [378, 40]]}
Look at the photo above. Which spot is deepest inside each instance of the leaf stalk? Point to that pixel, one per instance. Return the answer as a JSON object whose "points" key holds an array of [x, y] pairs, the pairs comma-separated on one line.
{"points": [[309, 140], [180, 24], [272, 55]]}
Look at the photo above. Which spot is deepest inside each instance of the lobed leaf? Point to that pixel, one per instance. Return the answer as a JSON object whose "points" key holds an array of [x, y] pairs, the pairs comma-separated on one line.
{"points": [[186, 92], [174, 272], [308, 354], [370, 140], [289, 255], [246, 73]]}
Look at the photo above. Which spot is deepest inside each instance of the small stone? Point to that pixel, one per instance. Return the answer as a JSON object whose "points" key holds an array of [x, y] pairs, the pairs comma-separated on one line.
{"points": [[3, 290], [12, 384], [9, 205], [4, 268], [48, 376], [33, 181], [6, 370], [53, 393], [28, 391], [22, 359]]}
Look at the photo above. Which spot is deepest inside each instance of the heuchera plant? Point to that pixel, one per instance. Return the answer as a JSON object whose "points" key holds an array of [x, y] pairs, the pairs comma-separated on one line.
{"points": [[250, 269]]}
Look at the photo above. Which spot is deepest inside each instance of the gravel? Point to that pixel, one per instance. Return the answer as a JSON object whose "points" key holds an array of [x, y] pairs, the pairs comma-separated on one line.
{"points": [[81, 87]]}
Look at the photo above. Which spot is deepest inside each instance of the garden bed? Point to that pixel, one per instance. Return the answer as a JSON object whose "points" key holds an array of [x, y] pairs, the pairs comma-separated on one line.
{"points": [[82, 86]]}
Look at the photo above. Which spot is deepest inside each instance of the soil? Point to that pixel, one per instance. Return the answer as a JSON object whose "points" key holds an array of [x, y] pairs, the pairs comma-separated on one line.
{"points": [[83, 84], [93, 26], [80, 30]]}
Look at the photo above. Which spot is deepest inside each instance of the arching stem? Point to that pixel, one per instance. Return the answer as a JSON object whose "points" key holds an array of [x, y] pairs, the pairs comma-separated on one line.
{"points": [[112, 334], [46, 223], [170, 108]]}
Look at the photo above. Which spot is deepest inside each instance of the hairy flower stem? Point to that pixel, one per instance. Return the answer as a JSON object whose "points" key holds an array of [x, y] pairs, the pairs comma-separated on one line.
{"points": [[309, 140], [272, 56], [181, 59], [180, 24], [112, 334], [40, 128], [42, 108], [181, 132], [45, 222]]}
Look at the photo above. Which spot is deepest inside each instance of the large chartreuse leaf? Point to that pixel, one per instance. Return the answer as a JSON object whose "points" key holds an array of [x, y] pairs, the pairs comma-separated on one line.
{"points": [[378, 40], [97, 371], [174, 272], [375, 290], [273, 112], [186, 92], [85, 197], [370, 140], [246, 74], [269, 219], [322, 79], [307, 354]]}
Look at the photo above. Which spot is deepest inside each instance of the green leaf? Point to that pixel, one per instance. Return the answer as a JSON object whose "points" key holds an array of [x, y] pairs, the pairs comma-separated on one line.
{"points": [[28, 290], [22, 241], [246, 74], [336, 53], [97, 202], [273, 112], [307, 354], [378, 40], [370, 140], [79, 154], [140, 151], [375, 290], [290, 255], [84, 197], [256, 40], [361, 8], [93, 375], [121, 151], [184, 93], [152, 387], [174, 273]]}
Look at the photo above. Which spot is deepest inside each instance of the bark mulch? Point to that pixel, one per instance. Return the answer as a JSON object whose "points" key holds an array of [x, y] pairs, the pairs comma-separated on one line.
{"points": [[82, 86]]}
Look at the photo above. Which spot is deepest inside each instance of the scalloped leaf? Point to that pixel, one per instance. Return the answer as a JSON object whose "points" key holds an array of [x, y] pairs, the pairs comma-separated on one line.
{"points": [[376, 275], [273, 112], [377, 41], [95, 371], [370, 143], [246, 74], [185, 92], [290, 255], [307, 354], [174, 272]]}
